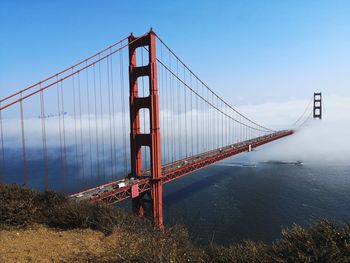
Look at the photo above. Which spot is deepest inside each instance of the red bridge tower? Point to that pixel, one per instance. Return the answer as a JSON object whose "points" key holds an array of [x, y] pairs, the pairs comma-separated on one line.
{"points": [[152, 139]]}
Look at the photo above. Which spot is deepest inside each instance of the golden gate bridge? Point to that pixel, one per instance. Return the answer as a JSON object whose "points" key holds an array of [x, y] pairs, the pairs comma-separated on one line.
{"points": [[123, 122]]}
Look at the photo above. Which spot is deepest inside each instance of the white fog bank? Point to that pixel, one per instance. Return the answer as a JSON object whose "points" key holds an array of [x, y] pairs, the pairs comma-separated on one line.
{"points": [[320, 141]]}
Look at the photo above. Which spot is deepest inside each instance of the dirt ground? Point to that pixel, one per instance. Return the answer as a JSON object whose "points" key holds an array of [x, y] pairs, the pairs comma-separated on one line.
{"points": [[41, 244]]}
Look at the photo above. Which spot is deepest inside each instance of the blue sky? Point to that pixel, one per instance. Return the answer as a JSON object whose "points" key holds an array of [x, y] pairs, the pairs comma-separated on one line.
{"points": [[249, 51]]}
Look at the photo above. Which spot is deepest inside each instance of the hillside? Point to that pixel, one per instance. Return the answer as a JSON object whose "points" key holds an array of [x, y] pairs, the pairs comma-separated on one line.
{"points": [[45, 227]]}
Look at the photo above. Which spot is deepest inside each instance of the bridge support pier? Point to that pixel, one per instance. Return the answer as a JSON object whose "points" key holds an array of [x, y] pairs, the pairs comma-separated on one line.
{"points": [[152, 139]]}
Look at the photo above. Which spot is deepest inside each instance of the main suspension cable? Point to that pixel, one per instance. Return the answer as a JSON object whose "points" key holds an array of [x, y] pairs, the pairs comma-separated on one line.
{"points": [[173, 53]]}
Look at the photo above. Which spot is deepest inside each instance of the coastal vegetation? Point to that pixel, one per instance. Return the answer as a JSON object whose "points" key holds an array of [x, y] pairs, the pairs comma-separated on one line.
{"points": [[93, 232]]}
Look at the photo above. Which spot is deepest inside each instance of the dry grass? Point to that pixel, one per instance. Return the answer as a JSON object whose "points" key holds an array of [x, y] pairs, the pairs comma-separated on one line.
{"points": [[43, 244]]}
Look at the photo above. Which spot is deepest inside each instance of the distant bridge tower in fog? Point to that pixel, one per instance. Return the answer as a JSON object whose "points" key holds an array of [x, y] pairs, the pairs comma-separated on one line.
{"points": [[318, 105]]}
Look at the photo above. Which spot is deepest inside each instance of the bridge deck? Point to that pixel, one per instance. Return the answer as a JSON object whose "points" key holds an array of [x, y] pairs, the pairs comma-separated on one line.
{"points": [[111, 193]]}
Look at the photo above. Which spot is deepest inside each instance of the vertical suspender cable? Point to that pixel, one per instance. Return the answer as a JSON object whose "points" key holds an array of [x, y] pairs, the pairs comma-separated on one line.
{"points": [[222, 126], [191, 112], [110, 120], [65, 167], [2, 167], [204, 121], [167, 106], [197, 119], [113, 118], [173, 157], [162, 102], [186, 142], [44, 145], [96, 123], [123, 112], [24, 155], [60, 133], [208, 121], [178, 110], [89, 121], [102, 122], [81, 129], [75, 123]]}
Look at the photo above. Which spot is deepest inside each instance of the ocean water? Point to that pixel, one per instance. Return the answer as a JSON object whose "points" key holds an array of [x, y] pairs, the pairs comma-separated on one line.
{"points": [[234, 200]]}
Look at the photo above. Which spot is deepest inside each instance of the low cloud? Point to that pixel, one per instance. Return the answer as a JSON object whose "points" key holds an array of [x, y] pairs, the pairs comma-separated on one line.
{"points": [[319, 141]]}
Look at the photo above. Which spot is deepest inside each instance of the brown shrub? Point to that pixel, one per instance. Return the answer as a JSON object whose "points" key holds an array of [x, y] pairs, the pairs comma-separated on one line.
{"points": [[21, 206], [71, 215], [172, 245], [246, 251], [324, 241], [16, 206]]}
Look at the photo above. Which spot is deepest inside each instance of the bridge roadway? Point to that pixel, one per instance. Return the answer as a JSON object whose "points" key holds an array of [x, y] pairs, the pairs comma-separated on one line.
{"points": [[119, 190]]}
